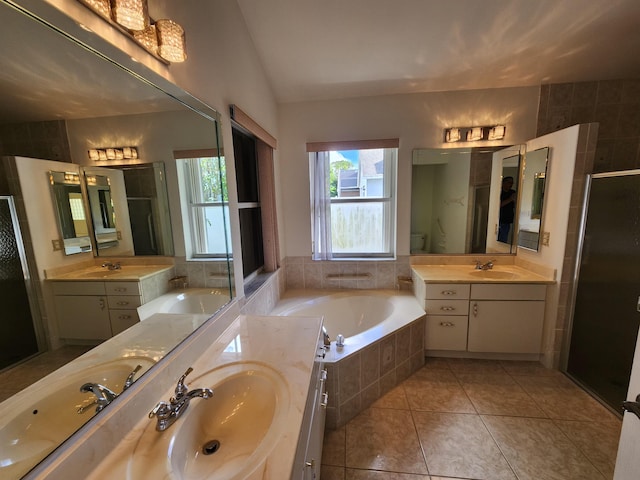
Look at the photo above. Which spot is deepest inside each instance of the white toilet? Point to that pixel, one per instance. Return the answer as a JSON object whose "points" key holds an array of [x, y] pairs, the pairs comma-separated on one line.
{"points": [[418, 241]]}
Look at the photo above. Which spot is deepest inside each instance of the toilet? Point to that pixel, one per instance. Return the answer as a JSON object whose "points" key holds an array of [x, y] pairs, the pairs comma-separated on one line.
{"points": [[417, 242]]}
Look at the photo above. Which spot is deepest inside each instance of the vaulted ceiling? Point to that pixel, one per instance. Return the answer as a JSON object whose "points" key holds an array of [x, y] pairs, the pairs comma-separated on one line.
{"points": [[314, 50]]}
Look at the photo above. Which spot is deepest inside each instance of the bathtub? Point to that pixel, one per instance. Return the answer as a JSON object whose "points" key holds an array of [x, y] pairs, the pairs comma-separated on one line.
{"points": [[384, 342], [205, 301]]}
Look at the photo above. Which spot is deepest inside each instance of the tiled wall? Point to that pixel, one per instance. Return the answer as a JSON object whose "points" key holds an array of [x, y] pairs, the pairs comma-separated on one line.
{"points": [[613, 104], [46, 140], [204, 274], [303, 272]]}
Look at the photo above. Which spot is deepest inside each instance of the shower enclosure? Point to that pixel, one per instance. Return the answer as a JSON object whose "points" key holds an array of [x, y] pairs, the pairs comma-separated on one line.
{"points": [[607, 297], [18, 339]]}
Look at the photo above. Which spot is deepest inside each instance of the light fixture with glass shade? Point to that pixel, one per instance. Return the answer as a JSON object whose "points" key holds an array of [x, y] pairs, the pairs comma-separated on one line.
{"points": [[131, 14], [171, 44]]}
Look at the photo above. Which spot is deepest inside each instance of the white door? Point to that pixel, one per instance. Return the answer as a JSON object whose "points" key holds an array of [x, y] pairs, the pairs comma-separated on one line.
{"points": [[628, 461]]}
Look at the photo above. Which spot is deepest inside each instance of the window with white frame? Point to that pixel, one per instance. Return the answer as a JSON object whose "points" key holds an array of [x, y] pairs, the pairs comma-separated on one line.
{"points": [[353, 199], [208, 205]]}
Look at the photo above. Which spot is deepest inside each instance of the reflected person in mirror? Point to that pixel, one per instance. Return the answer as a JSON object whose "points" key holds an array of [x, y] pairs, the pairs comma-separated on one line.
{"points": [[507, 209]]}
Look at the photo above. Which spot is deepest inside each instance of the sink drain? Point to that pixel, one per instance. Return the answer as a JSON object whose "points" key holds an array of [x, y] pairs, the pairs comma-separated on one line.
{"points": [[211, 447]]}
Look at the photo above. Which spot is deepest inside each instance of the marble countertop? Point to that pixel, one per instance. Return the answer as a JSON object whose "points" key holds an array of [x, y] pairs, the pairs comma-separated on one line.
{"points": [[468, 274], [286, 345], [102, 274]]}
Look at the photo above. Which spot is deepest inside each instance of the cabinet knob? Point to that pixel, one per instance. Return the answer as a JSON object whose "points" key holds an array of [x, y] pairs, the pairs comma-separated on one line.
{"points": [[124, 317], [447, 324], [448, 292], [101, 303], [122, 304], [120, 289], [475, 309], [447, 309], [325, 400]]}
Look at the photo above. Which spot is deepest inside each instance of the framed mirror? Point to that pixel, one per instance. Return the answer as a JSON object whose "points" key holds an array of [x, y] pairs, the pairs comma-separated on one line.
{"points": [[453, 193], [534, 181], [60, 100], [66, 190]]}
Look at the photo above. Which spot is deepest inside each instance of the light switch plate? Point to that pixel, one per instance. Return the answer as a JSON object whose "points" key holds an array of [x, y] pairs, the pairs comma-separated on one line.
{"points": [[545, 238]]}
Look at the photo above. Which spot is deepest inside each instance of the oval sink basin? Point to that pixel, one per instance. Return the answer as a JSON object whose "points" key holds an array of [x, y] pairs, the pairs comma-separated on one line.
{"points": [[494, 274], [227, 436], [51, 415]]}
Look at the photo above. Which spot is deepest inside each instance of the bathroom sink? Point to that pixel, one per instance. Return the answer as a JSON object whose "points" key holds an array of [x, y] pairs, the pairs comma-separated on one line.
{"points": [[227, 436], [494, 274], [51, 414], [102, 273]]}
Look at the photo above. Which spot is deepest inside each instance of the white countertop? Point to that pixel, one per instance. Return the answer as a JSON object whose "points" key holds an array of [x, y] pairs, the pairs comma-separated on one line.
{"points": [[285, 344], [103, 274], [468, 274]]}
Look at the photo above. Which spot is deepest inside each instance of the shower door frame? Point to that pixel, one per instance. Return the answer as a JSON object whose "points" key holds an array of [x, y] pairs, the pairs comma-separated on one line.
{"points": [[576, 272]]}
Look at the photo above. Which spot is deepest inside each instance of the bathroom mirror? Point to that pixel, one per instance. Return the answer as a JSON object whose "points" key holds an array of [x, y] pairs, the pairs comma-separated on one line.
{"points": [[61, 99], [452, 194], [70, 209], [534, 179]]}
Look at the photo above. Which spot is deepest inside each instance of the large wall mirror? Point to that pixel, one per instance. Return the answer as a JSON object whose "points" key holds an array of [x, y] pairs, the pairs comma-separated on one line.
{"points": [[534, 182], [455, 199], [61, 100]]}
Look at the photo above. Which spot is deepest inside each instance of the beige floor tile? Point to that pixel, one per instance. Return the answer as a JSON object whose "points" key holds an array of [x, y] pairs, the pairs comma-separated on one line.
{"points": [[459, 445], [395, 398], [334, 447], [526, 368], [472, 365], [374, 475], [498, 394], [438, 398], [537, 449], [597, 441], [437, 363], [384, 439], [432, 375], [329, 472]]}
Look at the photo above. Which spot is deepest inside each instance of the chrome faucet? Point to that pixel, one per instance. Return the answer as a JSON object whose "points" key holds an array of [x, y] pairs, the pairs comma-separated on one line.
{"points": [[484, 266], [129, 381], [104, 395], [168, 412], [326, 340], [112, 266]]}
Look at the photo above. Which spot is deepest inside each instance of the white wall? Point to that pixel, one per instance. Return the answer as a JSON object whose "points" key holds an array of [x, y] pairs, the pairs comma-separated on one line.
{"points": [[417, 119]]}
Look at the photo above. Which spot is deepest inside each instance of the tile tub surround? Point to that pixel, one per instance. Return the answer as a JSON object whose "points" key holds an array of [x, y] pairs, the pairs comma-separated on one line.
{"points": [[371, 362], [407, 435]]}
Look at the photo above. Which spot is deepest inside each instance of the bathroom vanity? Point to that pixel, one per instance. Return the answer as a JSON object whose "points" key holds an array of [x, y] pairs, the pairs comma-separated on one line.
{"points": [[490, 312], [96, 303]]}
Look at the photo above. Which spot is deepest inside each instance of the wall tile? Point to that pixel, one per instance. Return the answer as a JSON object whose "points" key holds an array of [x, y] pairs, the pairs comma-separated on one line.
{"points": [[560, 94], [625, 153], [349, 373], [607, 115], [610, 91], [585, 94], [370, 361], [387, 354], [403, 344]]}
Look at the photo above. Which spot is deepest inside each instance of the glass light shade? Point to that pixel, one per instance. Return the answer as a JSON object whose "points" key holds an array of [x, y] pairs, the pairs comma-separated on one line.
{"points": [[148, 38], [94, 154], [474, 134], [103, 7], [131, 14], [171, 44], [111, 154], [452, 135], [497, 132]]}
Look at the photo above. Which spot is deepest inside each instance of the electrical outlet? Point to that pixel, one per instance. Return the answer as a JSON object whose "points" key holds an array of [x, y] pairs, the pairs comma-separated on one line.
{"points": [[58, 244]]}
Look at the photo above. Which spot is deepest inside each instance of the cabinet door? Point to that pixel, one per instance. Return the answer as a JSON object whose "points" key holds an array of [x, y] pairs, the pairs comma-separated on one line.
{"points": [[446, 332], [122, 319], [83, 317], [505, 326]]}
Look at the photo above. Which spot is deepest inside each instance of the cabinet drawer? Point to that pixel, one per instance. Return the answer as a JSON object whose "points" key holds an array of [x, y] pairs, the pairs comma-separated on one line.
{"points": [[123, 302], [122, 319], [123, 288], [448, 290], [78, 288], [446, 332], [503, 291], [446, 307]]}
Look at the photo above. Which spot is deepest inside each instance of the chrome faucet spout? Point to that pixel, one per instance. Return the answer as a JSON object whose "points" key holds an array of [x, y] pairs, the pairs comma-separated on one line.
{"points": [[104, 395], [167, 413], [484, 266]]}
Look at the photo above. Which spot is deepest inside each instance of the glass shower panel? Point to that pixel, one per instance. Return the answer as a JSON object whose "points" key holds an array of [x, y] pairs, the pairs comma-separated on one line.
{"points": [[606, 317], [17, 334]]}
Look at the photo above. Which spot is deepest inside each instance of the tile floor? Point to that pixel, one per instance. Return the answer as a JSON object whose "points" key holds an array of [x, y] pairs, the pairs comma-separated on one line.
{"points": [[17, 378], [477, 419]]}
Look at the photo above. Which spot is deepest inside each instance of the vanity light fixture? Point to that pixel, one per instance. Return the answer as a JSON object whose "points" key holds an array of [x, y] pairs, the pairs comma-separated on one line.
{"points": [[171, 44], [103, 7], [113, 153], [474, 134], [131, 14]]}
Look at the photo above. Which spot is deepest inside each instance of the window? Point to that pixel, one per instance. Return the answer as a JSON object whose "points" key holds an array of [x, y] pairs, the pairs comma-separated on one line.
{"points": [[353, 202], [206, 192]]}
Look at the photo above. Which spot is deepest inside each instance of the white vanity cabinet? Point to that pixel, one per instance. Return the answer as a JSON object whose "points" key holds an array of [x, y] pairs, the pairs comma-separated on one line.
{"points": [[506, 318], [447, 308], [308, 457], [91, 310]]}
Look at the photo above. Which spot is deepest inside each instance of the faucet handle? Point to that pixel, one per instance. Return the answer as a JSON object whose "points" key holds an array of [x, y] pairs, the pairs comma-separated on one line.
{"points": [[161, 410], [181, 388], [129, 381]]}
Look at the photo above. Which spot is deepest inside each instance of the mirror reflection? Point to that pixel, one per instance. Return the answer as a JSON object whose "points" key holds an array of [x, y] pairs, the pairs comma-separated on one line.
{"points": [[532, 199], [455, 199], [59, 101], [70, 209], [508, 199]]}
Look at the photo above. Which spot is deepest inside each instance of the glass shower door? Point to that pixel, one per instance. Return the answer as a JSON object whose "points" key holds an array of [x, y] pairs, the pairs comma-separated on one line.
{"points": [[17, 333], [606, 318]]}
